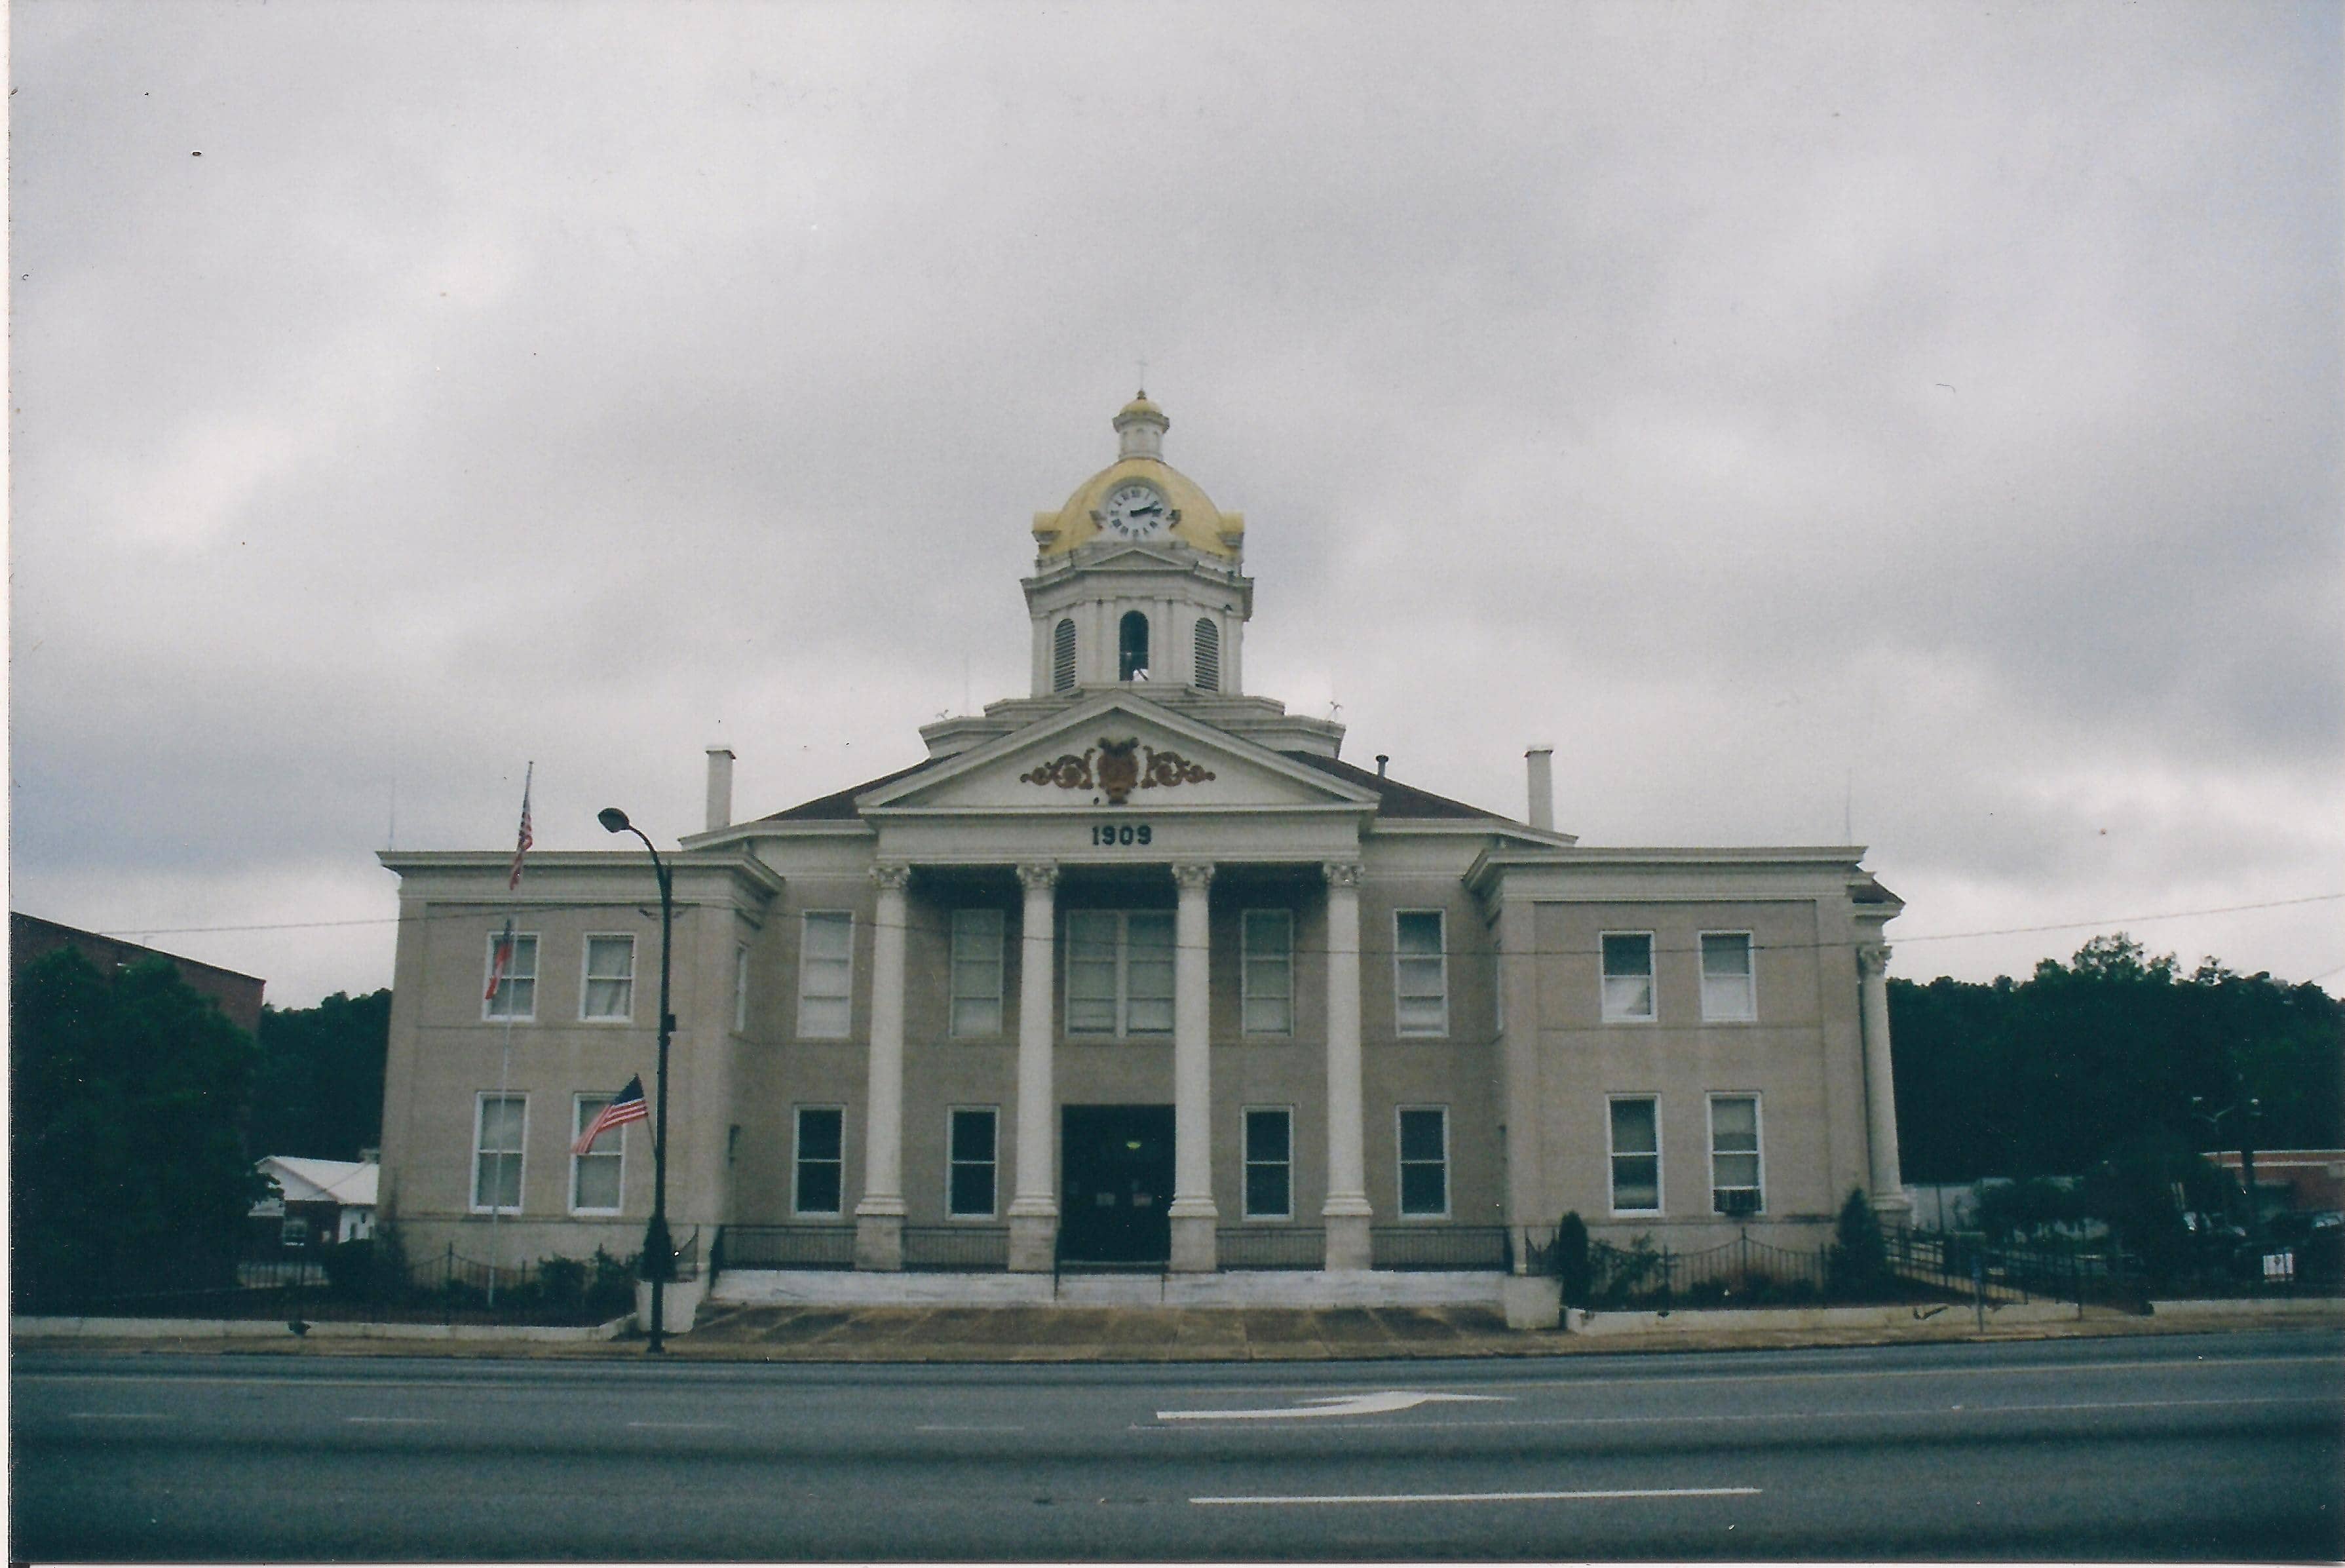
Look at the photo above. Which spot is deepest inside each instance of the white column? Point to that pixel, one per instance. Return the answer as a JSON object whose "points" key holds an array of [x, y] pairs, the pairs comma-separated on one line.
{"points": [[1346, 1212], [1880, 1080], [1193, 1214], [879, 1217], [1034, 1203], [1530, 1213]]}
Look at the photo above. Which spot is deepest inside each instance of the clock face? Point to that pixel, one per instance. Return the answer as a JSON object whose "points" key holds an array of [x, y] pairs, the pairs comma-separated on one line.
{"points": [[1136, 511]]}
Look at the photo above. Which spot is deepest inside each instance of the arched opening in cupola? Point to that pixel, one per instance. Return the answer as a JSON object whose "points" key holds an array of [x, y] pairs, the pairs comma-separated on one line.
{"points": [[1132, 647]]}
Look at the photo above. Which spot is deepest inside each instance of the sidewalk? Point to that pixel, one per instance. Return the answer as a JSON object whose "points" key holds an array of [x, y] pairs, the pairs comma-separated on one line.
{"points": [[916, 1335]]}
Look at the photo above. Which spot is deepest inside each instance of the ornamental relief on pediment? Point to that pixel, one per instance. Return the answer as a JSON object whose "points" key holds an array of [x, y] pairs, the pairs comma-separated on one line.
{"points": [[1117, 767]]}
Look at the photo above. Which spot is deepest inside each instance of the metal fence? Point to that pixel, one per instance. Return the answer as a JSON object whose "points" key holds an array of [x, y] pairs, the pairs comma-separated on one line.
{"points": [[785, 1246], [957, 1248], [1270, 1246], [1439, 1246]]}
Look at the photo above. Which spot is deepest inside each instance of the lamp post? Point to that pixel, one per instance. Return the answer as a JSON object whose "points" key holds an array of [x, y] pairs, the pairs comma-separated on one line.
{"points": [[659, 1252]]}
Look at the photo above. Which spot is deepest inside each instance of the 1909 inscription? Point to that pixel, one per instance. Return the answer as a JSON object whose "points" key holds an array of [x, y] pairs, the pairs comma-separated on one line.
{"points": [[1121, 833]]}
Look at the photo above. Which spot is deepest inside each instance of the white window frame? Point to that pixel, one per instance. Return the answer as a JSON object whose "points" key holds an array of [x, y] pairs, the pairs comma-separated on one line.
{"points": [[1401, 1163], [1123, 998], [1748, 1011], [488, 1014], [1652, 1013], [1614, 1154], [587, 977], [617, 1152], [1402, 958], [798, 1163], [1248, 958], [1246, 1162], [1757, 1151], [520, 1155], [992, 1164], [965, 927], [809, 919], [740, 988]]}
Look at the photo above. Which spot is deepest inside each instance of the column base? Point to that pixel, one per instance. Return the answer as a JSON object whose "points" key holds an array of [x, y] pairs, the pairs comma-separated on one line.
{"points": [[1194, 1249], [879, 1242], [1033, 1242], [1347, 1241], [1894, 1204]]}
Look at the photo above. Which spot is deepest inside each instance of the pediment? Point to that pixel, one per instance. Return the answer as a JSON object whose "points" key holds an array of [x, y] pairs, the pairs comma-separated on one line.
{"points": [[1118, 751]]}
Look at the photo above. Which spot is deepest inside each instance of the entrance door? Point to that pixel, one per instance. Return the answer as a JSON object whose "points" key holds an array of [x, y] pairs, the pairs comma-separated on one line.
{"points": [[1116, 1166]]}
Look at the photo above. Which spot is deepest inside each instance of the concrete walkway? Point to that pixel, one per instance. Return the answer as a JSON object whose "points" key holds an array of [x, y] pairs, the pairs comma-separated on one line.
{"points": [[914, 1335]]}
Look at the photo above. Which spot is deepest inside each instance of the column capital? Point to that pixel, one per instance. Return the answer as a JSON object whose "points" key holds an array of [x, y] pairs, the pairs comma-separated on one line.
{"points": [[1189, 877], [1342, 873], [1872, 957], [891, 876], [1038, 876]]}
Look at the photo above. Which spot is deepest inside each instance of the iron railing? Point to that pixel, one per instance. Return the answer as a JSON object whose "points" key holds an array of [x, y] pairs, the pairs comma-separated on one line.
{"points": [[1439, 1246], [785, 1246], [957, 1248], [1270, 1246]]}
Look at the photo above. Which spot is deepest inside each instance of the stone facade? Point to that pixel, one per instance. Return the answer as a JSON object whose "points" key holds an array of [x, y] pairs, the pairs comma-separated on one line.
{"points": [[1135, 971]]}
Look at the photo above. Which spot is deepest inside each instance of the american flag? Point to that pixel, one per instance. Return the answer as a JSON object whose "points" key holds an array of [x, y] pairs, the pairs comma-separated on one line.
{"points": [[521, 847], [628, 1108], [501, 959]]}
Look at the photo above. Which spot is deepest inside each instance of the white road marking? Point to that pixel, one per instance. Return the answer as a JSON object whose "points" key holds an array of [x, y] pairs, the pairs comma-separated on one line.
{"points": [[117, 1416], [1481, 1496], [391, 1421], [1337, 1405], [1747, 1417], [953, 1429], [685, 1426]]}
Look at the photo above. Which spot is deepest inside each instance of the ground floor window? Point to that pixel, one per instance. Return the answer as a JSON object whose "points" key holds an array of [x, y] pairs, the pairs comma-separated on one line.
{"points": [[971, 1162], [594, 1175], [821, 1160], [1636, 1155], [1269, 1164], [1425, 1161], [500, 1122], [1736, 1184]]}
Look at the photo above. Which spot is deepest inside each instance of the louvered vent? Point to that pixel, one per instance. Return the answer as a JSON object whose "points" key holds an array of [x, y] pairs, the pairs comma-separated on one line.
{"points": [[1063, 656], [1209, 656]]}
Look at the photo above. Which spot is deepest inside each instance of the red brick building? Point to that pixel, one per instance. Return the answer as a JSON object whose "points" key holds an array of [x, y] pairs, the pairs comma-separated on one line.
{"points": [[31, 937]]}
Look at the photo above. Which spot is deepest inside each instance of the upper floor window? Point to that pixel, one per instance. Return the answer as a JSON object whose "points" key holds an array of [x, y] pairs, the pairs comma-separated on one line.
{"points": [[1737, 1184], [1063, 656], [826, 973], [1628, 976], [1132, 647], [976, 972], [1119, 971], [1266, 977], [1420, 973], [741, 987], [1728, 992], [512, 990], [609, 992], [1209, 655]]}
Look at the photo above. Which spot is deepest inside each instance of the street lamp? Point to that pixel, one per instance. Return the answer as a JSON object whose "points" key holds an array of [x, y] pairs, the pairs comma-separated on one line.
{"points": [[659, 1252], [2249, 1108]]}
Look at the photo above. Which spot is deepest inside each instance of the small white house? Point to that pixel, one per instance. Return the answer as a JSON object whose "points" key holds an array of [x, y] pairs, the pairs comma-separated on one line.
{"points": [[319, 1202]]}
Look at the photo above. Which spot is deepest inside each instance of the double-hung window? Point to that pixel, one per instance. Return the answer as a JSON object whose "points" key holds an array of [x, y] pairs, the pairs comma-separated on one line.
{"points": [[499, 1131], [512, 989], [1425, 1162], [1627, 977], [971, 1161], [1266, 938], [1636, 1155], [1120, 972], [826, 973], [820, 1161], [596, 1176], [976, 974], [1420, 973], [609, 992], [1269, 1163], [1728, 994], [740, 988], [1737, 1184]]}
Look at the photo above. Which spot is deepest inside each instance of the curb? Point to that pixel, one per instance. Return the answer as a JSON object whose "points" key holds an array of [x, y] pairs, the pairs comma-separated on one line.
{"points": [[265, 1329]]}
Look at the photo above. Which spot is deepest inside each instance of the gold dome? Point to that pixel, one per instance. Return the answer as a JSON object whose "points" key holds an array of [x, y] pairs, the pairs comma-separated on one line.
{"points": [[1201, 526]]}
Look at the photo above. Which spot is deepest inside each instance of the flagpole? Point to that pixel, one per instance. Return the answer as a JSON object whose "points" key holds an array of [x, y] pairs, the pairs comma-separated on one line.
{"points": [[504, 1067]]}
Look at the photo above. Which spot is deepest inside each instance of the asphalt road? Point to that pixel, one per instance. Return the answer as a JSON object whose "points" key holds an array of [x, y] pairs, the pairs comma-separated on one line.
{"points": [[2217, 1446]]}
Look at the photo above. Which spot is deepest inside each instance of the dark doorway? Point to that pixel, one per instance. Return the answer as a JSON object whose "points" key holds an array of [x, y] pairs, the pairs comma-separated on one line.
{"points": [[1116, 1185]]}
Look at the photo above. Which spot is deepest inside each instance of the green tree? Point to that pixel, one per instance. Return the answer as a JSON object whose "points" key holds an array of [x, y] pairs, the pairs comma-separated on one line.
{"points": [[126, 1131], [320, 1090]]}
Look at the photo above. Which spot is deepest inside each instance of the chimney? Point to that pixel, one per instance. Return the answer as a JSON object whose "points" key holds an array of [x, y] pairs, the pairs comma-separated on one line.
{"points": [[1382, 758], [720, 787], [1540, 761]]}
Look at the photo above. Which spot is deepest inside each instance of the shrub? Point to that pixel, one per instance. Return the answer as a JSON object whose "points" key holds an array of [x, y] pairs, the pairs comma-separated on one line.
{"points": [[610, 1283], [563, 1282], [1571, 1256], [1858, 1264]]}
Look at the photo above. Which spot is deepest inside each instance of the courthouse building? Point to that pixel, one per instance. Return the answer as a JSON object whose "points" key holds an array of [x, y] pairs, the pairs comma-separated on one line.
{"points": [[1137, 971]]}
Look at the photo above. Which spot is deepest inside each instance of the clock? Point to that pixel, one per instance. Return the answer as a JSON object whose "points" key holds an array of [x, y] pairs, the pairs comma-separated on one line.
{"points": [[1136, 510]]}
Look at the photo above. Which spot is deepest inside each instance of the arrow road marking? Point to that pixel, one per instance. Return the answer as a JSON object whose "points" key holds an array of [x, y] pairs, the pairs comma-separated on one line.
{"points": [[1336, 1405]]}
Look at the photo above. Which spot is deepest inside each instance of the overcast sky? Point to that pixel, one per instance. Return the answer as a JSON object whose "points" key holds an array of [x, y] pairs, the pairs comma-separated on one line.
{"points": [[1919, 422]]}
